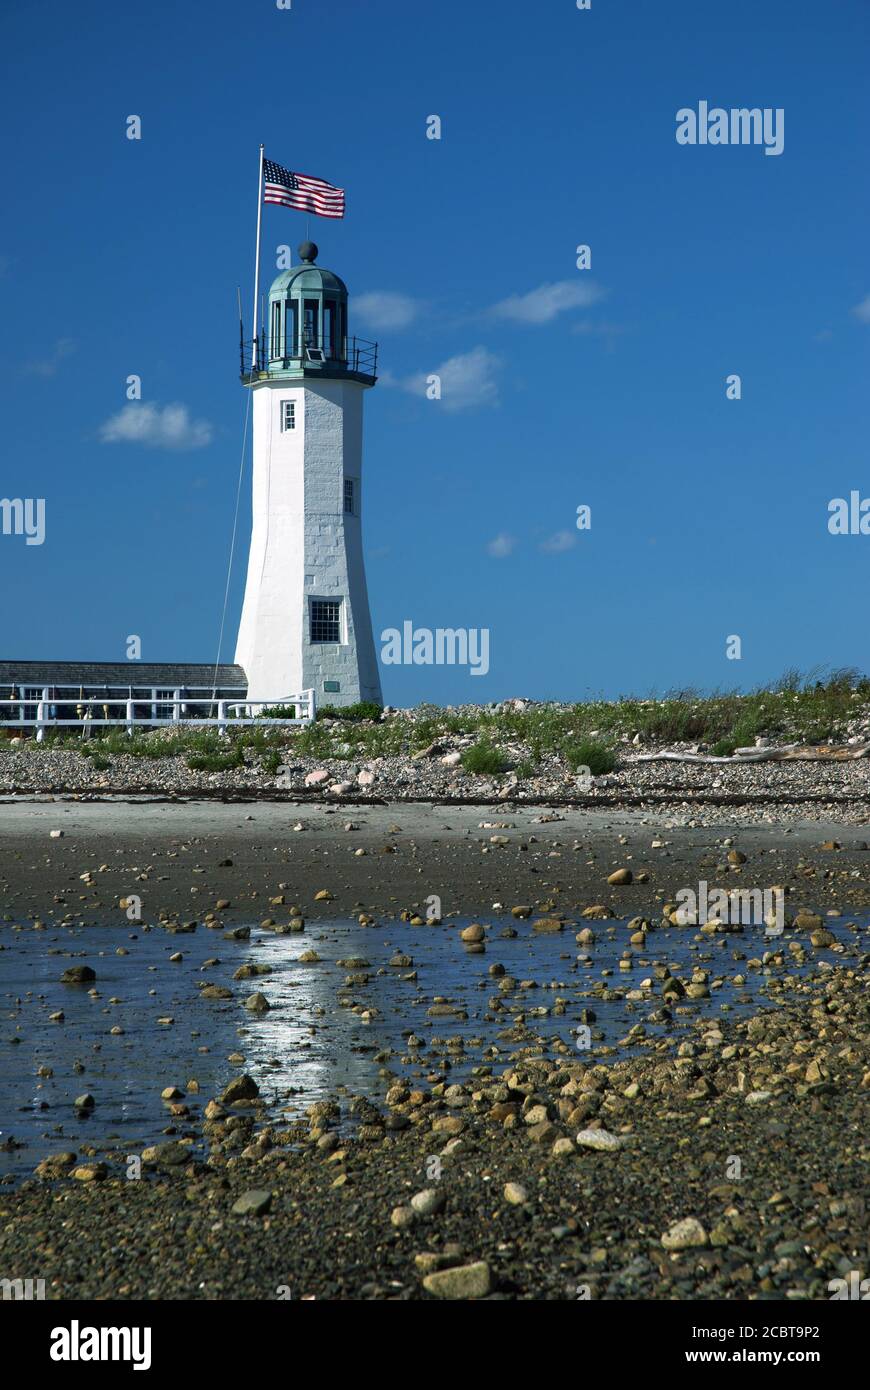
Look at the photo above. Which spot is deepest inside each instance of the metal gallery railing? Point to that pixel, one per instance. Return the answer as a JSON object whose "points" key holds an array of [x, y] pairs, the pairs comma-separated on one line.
{"points": [[357, 355]]}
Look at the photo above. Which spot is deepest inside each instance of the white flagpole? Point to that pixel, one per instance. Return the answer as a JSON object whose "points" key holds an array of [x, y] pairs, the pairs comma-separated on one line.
{"points": [[257, 263]]}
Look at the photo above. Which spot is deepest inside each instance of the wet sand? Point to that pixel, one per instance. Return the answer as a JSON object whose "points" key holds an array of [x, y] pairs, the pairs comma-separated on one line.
{"points": [[170, 853], [466, 1167]]}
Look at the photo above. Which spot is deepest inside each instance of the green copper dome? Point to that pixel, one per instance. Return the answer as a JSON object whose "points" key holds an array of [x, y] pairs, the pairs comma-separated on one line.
{"points": [[307, 276]]}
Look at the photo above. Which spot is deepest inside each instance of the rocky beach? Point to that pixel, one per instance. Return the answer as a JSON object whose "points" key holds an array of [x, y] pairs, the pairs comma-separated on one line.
{"points": [[562, 1086]]}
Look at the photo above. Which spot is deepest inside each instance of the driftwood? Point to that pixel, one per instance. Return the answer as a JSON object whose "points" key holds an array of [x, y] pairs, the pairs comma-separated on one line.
{"points": [[795, 752]]}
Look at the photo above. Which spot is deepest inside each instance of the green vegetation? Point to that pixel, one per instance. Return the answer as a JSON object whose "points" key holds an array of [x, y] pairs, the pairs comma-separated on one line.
{"points": [[215, 762], [807, 709], [588, 753], [483, 757], [271, 761], [363, 709]]}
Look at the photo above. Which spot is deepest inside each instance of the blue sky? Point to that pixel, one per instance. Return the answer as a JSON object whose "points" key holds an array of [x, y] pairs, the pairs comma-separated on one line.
{"points": [[602, 387]]}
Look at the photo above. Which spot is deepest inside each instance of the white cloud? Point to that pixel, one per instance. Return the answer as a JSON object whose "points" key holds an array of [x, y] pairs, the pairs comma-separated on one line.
{"points": [[862, 310], [500, 546], [599, 328], [547, 301], [467, 380], [386, 309], [50, 365], [556, 544], [169, 428]]}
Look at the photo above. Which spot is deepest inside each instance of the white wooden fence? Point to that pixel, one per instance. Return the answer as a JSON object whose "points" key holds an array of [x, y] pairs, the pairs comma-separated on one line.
{"points": [[101, 712]]}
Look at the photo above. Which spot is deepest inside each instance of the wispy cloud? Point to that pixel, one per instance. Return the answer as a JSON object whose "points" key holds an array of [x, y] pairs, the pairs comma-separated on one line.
{"points": [[386, 310], [548, 301], [600, 328], [862, 310], [168, 428], [466, 380], [50, 365], [559, 542], [501, 545]]}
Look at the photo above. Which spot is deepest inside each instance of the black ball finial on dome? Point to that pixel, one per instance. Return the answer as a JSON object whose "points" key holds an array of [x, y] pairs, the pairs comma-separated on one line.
{"points": [[308, 252]]}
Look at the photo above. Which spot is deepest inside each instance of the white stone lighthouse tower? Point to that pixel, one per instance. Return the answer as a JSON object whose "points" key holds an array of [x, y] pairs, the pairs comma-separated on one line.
{"points": [[305, 620]]}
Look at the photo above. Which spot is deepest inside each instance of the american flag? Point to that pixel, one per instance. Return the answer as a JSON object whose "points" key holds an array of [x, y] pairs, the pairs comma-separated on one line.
{"points": [[300, 191]]}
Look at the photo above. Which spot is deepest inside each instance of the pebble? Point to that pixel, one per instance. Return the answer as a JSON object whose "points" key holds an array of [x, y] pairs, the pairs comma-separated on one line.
{"points": [[78, 975], [90, 1172], [600, 1139], [255, 1202], [462, 1281], [515, 1194], [685, 1235], [240, 1088], [257, 1003], [403, 1217], [428, 1202]]}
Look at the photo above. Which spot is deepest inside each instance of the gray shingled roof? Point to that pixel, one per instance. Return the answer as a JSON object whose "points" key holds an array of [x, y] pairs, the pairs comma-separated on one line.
{"points": [[166, 674]]}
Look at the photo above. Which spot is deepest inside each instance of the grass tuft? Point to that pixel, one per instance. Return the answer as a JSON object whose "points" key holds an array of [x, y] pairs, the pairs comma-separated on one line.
{"points": [[483, 758]]}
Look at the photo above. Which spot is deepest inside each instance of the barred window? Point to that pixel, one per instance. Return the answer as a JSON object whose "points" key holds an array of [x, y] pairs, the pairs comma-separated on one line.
{"points": [[325, 620], [288, 415], [349, 496]]}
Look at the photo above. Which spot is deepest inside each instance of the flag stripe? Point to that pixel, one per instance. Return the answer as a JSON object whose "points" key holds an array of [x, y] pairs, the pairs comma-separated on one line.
{"points": [[302, 191], [273, 192]]}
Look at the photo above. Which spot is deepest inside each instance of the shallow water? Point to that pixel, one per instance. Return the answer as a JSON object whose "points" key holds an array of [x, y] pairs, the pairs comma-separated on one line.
{"points": [[311, 1043]]}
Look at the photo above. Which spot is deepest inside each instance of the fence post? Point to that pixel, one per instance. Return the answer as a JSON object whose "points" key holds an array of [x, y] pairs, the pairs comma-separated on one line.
{"points": [[222, 716], [40, 721], [130, 717]]}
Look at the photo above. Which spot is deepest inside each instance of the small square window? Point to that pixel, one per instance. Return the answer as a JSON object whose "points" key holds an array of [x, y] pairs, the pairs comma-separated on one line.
{"points": [[349, 497], [288, 415], [325, 620]]}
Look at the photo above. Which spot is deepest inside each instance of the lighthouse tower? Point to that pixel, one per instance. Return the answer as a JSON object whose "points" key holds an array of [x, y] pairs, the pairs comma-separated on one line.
{"points": [[305, 620]]}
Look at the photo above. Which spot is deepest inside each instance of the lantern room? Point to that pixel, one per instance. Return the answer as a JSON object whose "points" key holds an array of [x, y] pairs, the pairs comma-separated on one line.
{"points": [[305, 332]]}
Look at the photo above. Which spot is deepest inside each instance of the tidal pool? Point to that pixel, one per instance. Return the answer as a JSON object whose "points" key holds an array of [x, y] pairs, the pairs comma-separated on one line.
{"points": [[316, 1038]]}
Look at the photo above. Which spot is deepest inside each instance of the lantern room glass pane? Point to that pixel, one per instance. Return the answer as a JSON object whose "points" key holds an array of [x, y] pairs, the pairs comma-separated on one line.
{"points": [[329, 327], [311, 325], [276, 347]]}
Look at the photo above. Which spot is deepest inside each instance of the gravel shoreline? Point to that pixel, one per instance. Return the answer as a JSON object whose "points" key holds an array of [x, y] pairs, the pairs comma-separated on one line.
{"points": [[735, 1169], [796, 788], [520, 1210]]}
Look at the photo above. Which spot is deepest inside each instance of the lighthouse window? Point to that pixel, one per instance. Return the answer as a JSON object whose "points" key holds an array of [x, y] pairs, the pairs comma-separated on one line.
{"points": [[329, 327], [311, 323], [348, 496], [288, 415], [292, 329], [325, 620], [277, 346]]}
